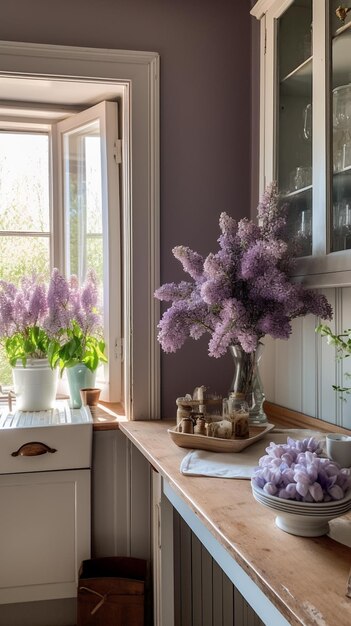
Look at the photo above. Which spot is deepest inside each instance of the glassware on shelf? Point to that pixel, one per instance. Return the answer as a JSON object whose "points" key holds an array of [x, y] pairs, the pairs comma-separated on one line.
{"points": [[342, 225], [338, 159], [300, 178], [341, 128], [346, 156], [342, 108], [304, 232], [307, 122], [306, 223]]}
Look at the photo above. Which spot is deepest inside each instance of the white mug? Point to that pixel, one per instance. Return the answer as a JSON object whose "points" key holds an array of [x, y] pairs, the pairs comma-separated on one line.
{"points": [[339, 448]]}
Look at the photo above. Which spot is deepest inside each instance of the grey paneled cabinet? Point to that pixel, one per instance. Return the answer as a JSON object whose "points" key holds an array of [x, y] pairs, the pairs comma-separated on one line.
{"points": [[305, 144]]}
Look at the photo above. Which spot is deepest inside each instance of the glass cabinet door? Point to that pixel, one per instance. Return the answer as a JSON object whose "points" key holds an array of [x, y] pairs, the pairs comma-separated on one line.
{"points": [[341, 127], [305, 141], [294, 120]]}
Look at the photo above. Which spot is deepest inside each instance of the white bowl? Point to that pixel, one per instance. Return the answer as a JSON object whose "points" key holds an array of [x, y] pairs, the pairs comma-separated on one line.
{"points": [[312, 512], [306, 519]]}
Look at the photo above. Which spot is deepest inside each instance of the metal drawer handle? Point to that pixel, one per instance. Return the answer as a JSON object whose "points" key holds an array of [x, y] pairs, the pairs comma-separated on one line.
{"points": [[33, 448]]}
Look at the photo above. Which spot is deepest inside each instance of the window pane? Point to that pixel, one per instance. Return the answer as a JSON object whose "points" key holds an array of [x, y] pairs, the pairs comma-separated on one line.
{"points": [[294, 124], [83, 201], [32, 255], [24, 182], [95, 255]]}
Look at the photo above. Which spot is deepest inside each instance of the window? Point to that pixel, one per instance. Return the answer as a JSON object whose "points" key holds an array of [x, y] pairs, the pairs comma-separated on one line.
{"points": [[25, 224], [75, 228], [35, 73]]}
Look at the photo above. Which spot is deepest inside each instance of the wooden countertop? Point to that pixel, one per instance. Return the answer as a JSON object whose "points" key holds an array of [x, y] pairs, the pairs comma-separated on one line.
{"points": [[305, 578]]}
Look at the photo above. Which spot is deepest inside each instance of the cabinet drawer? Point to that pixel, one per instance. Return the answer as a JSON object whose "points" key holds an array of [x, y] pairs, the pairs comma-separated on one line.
{"points": [[70, 447]]}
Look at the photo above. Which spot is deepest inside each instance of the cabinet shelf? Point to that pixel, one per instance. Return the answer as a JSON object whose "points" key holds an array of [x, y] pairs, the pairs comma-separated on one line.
{"points": [[297, 192], [346, 170], [299, 81]]}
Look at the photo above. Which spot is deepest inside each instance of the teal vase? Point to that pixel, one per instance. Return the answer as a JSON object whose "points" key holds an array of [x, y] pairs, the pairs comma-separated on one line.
{"points": [[79, 377]]}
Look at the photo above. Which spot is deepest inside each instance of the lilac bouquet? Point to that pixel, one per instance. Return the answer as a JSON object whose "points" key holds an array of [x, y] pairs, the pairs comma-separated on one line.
{"points": [[59, 321], [243, 291], [75, 320]]}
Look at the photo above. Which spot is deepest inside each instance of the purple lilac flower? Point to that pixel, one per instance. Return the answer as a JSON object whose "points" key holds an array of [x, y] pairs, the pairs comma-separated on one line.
{"points": [[171, 291], [215, 290], [242, 292], [192, 262], [248, 233], [38, 303], [54, 310], [275, 324], [58, 298], [89, 293]]}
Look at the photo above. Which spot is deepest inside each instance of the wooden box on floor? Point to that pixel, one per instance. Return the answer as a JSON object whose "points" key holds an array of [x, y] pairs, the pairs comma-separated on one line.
{"points": [[111, 592]]}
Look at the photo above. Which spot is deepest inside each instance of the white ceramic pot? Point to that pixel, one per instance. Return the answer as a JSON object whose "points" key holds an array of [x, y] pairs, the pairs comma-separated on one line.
{"points": [[35, 385]]}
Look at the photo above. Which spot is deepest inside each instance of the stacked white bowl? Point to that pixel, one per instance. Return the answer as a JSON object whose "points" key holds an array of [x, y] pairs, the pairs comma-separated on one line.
{"points": [[306, 519]]}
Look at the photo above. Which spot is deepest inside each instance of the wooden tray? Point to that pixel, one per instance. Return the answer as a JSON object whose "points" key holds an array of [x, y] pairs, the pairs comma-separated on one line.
{"points": [[215, 444]]}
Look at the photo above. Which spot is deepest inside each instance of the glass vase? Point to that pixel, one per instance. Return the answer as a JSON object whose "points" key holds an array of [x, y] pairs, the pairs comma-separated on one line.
{"points": [[79, 377], [247, 381]]}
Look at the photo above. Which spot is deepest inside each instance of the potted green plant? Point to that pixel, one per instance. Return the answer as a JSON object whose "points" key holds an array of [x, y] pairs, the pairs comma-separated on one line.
{"points": [[26, 340], [45, 329], [79, 346]]}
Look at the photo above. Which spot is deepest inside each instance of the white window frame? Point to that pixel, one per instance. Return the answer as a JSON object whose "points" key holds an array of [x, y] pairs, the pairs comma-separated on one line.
{"points": [[137, 73], [107, 115]]}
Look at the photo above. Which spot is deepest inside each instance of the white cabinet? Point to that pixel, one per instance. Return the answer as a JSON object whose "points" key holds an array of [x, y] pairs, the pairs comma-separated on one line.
{"points": [[305, 137], [44, 534], [45, 461]]}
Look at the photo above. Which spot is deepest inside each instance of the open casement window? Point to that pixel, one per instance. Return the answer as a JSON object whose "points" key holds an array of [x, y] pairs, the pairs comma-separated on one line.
{"points": [[88, 150]]}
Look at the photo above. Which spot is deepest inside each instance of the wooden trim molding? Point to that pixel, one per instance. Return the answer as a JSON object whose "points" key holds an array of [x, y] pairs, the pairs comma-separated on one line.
{"points": [[107, 416], [287, 418]]}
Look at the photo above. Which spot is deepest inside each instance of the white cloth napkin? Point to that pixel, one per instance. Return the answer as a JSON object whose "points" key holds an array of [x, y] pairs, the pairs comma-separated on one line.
{"points": [[239, 464]]}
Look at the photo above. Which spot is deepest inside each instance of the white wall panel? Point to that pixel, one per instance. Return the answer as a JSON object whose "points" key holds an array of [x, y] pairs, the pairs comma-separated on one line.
{"points": [[308, 366], [288, 374], [305, 367], [345, 364], [267, 367], [327, 370]]}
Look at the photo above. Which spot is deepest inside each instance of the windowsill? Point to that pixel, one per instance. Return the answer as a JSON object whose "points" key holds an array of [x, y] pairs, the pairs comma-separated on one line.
{"points": [[107, 416]]}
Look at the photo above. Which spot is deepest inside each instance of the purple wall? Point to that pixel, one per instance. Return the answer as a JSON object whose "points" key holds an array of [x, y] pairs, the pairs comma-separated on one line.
{"points": [[205, 50]]}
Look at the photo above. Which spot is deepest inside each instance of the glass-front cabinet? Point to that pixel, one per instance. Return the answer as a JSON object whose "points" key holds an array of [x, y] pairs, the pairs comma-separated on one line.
{"points": [[305, 142]]}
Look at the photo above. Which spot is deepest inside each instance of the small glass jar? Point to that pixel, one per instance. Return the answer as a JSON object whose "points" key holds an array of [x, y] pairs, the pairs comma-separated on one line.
{"points": [[238, 414]]}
